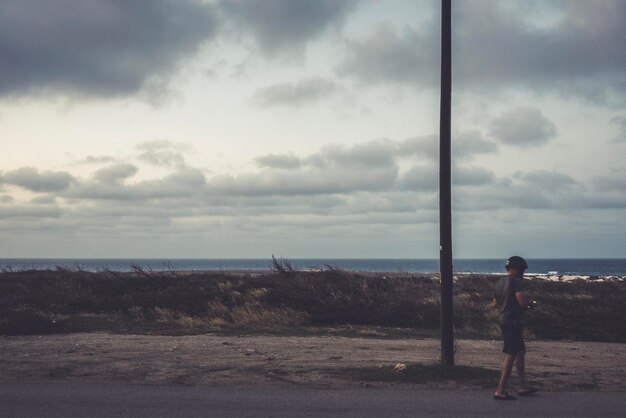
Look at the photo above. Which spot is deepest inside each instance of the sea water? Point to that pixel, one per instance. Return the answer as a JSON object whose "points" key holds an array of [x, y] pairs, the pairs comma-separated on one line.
{"points": [[553, 266]]}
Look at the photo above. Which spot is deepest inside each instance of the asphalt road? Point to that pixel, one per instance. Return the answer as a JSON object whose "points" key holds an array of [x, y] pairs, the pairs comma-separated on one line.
{"points": [[45, 399]]}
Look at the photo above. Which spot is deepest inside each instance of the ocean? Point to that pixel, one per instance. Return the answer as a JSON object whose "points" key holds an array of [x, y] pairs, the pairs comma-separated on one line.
{"points": [[561, 266]]}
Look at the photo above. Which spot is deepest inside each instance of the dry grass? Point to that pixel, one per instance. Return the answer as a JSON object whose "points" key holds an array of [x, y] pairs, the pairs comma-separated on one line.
{"points": [[70, 300]]}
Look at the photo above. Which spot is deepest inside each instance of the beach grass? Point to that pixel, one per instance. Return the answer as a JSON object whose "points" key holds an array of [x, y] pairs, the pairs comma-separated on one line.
{"points": [[289, 301]]}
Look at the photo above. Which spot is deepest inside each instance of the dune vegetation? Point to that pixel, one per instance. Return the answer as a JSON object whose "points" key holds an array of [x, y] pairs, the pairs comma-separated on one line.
{"points": [[285, 300]]}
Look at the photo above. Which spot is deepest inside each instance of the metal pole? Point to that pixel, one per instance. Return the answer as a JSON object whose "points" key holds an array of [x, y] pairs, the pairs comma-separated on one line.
{"points": [[445, 205]]}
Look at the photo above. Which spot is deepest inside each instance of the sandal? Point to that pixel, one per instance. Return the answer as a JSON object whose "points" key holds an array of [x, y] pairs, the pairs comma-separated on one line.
{"points": [[505, 396]]}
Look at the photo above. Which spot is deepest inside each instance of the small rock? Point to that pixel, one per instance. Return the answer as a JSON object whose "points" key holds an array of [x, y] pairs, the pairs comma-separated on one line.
{"points": [[400, 368]]}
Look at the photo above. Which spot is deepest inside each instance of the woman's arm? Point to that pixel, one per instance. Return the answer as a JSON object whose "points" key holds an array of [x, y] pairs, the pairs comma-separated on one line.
{"points": [[522, 300]]}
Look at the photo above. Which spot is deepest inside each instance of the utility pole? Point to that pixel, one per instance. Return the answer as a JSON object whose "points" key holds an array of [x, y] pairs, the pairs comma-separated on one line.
{"points": [[445, 203]]}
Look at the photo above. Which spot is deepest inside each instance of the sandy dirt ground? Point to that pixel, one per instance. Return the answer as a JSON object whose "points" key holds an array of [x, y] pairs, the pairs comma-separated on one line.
{"points": [[313, 361]]}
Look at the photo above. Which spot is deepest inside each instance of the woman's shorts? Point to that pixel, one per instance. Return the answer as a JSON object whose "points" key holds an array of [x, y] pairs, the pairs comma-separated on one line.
{"points": [[513, 338]]}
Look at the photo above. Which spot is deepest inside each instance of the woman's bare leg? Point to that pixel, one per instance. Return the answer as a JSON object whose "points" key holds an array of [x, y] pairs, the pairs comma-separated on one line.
{"points": [[505, 372], [521, 369]]}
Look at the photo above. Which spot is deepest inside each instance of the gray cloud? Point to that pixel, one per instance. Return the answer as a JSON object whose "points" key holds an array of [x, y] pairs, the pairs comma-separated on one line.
{"points": [[366, 155], [339, 191], [478, 189], [578, 55], [5, 198], [605, 201], [36, 211], [464, 146], [620, 121], [615, 182], [421, 179], [295, 94], [334, 169], [43, 200], [607, 192], [330, 180], [163, 153], [255, 205], [183, 183], [469, 144], [369, 166], [359, 167], [427, 146], [496, 48], [538, 189], [115, 173], [395, 201], [425, 178], [390, 54], [284, 161], [329, 191], [545, 190], [471, 176], [31, 179], [285, 25], [96, 159], [523, 127], [502, 198], [548, 180], [96, 47]]}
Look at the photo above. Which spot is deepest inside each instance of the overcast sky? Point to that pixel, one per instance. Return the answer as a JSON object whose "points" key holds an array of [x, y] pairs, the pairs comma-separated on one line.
{"points": [[245, 128]]}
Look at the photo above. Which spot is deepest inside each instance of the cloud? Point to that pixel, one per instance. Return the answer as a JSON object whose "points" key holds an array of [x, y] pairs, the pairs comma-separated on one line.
{"points": [[620, 121], [285, 25], [501, 46], [281, 161], [498, 44], [523, 127], [367, 155], [350, 193], [335, 169], [5, 198], [330, 180], [97, 159], [163, 153], [421, 178], [389, 54], [464, 146], [115, 173], [469, 144], [99, 48], [552, 181], [31, 179], [43, 200], [607, 192], [294, 94], [425, 178], [36, 211], [471, 176], [536, 189], [615, 182], [427, 146], [367, 166], [183, 183]]}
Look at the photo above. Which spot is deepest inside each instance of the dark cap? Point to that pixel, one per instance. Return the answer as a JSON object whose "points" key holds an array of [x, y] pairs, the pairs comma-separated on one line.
{"points": [[516, 262]]}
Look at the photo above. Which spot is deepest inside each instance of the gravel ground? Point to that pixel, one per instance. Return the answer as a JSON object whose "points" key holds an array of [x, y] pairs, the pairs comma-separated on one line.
{"points": [[311, 361]]}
